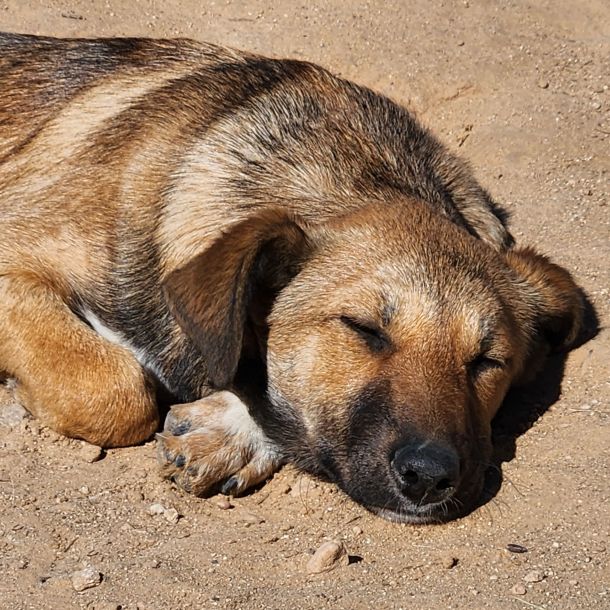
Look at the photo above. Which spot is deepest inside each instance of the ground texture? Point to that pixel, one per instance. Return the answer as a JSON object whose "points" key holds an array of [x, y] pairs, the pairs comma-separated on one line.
{"points": [[521, 89]]}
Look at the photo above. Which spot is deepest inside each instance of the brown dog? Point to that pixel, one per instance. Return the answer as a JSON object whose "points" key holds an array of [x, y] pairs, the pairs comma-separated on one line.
{"points": [[289, 254]]}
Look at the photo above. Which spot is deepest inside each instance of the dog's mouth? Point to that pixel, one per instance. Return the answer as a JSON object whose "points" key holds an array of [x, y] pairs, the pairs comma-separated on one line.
{"points": [[387, 501], [403, 511], [439, 512]]}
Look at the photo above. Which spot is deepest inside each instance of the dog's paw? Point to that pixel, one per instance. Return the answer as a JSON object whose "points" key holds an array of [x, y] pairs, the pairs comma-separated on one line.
{"points": [[213, 444]]}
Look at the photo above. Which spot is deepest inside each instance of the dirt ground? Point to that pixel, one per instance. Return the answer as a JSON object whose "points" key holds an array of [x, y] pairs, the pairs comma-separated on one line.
{"points": [[521, 89]]}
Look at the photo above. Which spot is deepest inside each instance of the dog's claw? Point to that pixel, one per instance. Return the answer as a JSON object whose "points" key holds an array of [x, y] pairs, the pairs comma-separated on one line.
{"points": [[175, 426], [230, 486]]}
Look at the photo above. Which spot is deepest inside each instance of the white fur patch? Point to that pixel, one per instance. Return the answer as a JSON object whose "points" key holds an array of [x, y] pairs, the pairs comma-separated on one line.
{"points": [[235, 420], [117, 339]]}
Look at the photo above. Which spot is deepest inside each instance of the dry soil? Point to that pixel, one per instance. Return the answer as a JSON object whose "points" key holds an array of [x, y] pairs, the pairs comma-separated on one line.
{"points": [[521, 89]]}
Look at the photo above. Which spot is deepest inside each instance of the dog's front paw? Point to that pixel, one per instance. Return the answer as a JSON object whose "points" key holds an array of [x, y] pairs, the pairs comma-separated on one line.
{"points": [[213, 444]]}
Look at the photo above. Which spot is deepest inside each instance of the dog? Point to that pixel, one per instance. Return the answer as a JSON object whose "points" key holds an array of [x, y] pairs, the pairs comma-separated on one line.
{"points": [[310, 275]]}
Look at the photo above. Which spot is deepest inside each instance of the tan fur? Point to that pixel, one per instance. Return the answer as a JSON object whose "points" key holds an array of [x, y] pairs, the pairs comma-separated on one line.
{"points": [[63, 369], [287, 253]]}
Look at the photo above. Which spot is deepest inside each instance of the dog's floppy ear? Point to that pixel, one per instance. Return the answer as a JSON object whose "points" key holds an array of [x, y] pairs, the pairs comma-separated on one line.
{"points": [[555, 304], [210, 296]]}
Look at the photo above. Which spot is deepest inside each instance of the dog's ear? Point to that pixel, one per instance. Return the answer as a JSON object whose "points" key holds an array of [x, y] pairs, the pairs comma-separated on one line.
{"points": [[212, 294], [554, 303]]}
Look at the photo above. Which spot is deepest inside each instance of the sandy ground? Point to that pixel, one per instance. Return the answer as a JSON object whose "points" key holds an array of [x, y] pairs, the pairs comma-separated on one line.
{"points": [[521, 89]]}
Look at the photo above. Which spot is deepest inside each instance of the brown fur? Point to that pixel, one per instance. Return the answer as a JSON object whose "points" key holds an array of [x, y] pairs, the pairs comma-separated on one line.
{"points": [[182, 215]]}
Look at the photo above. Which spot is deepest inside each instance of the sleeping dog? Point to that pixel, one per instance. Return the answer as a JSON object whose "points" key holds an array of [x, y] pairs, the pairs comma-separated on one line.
{"points": [[309, 273]]}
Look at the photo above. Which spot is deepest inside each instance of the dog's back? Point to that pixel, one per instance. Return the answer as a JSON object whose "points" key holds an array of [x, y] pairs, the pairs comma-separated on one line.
{"points": [[289, 129]]}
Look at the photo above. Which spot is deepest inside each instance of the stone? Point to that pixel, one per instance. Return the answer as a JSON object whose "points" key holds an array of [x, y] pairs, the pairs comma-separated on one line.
{"points": [[91, 453], [86, 578], [171, 515], [329, 556], [303, 487], [448, 561], [223, 503], [156, 509], [251, 519]]}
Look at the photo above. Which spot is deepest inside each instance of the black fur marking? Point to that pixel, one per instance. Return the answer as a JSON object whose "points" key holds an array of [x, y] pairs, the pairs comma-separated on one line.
{"points": [[136, 307], [370, 416]]}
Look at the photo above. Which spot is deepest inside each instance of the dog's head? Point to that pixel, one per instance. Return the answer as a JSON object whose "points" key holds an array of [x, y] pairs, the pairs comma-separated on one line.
{"points": [[385, 342]]}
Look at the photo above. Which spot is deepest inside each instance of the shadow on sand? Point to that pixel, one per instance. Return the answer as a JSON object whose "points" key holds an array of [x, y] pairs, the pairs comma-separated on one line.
{"points": [[525, 405]]}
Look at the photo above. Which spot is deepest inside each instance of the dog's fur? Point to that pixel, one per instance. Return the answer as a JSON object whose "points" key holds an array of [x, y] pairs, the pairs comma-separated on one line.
{"points": [[291, 255]]}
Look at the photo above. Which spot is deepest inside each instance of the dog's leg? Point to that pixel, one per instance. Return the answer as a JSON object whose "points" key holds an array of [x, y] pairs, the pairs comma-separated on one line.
{"points": [[68, 376], [215, 440]]}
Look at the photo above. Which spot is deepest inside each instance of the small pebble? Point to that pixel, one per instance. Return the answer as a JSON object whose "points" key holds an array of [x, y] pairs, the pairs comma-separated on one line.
{"points": [[518, 589], [357, 531], [85, 579], [328, 556], [156, 509], [223, 503], [171, 515], [91, 453], [516, 548], [53, 436], [534, 576], [573, 583]]}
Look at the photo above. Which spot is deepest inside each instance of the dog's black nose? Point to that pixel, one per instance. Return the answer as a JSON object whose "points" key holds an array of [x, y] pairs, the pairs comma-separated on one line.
{"points": [[426, 472]]}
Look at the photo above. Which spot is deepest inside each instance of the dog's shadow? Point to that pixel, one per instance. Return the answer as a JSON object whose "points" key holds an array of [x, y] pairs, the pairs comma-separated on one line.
{"points": [[525, 405]]}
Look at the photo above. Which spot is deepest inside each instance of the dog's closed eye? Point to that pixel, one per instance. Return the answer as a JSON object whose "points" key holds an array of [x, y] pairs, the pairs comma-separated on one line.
{"points": [[375, 338], [484, 363]]}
